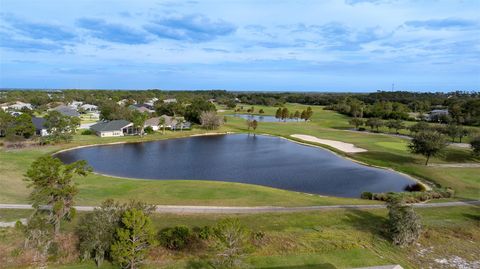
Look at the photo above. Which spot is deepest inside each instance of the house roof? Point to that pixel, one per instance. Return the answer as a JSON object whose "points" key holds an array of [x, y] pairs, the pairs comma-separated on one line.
{"points": [[67, 111], [113, 125], [39, 123]]}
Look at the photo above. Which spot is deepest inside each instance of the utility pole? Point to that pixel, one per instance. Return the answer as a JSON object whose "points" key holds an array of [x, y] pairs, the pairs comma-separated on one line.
{"points": [[393, 86]]}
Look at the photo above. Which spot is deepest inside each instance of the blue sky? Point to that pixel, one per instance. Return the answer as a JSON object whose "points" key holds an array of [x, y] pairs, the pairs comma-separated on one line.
{"points": [[328, 45]]}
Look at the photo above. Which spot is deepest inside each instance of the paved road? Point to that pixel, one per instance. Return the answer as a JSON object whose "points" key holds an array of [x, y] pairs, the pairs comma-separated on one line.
{"points": [[255, 209]]}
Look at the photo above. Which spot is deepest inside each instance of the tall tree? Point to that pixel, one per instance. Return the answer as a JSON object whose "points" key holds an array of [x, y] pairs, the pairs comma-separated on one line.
{"points": [[396, 125], [357, 122], [374, 123], [278, 114], [285, 114], [296, 115], [53, 185], [161, 123], [138, 120], [427, 143], [133, 239], [254, 125], [61, 127]]}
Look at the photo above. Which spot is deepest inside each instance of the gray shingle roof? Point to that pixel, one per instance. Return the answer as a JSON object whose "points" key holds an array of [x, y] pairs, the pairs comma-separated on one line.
{"points": [[67, 111], [39, 123], [114, 125]]}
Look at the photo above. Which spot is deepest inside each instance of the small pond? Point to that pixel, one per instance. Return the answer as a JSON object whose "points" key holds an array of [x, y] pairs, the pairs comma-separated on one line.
{"points": [[262, 160], [262, 118]]}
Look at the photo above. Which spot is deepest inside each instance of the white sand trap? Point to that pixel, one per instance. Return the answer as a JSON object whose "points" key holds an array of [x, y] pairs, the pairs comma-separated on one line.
{"points": [[345, 147]]}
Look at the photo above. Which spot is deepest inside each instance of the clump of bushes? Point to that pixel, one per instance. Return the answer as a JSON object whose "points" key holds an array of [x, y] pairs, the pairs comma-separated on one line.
{"points": [[87, 132], [410, 197], [149, 130], [415, 187], [175, 238]]}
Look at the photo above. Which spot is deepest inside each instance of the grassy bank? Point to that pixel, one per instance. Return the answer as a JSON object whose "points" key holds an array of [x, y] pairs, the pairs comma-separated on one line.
{"points": [[329, 239]]}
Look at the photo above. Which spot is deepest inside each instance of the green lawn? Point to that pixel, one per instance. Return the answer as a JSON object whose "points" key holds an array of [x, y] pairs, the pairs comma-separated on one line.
{"points": [[328, 239]]}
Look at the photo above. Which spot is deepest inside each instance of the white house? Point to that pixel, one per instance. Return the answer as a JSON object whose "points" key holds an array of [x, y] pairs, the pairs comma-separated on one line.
{"points": [[89, 107], [170, 100], [75, 104], [16, 106], [114, 128]]}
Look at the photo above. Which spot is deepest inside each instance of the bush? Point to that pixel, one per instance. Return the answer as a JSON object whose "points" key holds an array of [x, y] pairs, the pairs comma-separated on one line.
{"points": [[204, 233], [362, 129], [413, 196], [366, 195], [404, 225], [175, 238], [87, 132], [415, 187], [149, 130]]}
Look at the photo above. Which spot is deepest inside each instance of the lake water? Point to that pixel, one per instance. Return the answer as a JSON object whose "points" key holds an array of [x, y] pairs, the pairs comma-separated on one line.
{"points": [[262, 160], [262, 118]]}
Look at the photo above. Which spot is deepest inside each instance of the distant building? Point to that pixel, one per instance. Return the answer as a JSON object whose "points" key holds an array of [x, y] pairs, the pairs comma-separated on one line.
{"points": [[67, 111], [114, 128], [16, 106], [151, 102], [89, 108], [170, 123], [141, 108], [170, 100], [75, 104], [40, 128], [437, 115]]}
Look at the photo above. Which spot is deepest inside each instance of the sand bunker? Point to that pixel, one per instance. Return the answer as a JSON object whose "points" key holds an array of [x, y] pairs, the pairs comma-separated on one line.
{"points": [[345, 147]]}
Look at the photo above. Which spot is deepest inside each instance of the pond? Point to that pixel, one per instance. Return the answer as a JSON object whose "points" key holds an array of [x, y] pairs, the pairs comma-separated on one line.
{"points": [[262, 118], [262, 160]]}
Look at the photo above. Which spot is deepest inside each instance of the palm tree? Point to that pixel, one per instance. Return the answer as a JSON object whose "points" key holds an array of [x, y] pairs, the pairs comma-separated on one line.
{"points": [[161, 122]]}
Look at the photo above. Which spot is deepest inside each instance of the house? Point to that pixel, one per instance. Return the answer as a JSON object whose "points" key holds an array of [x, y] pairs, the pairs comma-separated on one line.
{"points": [[171, 123], [16, 106], [40, 128], [89, 108], [125, 101], [437, 114], [67, 111], [75, 104], [151, 102], [114, 128], [170, 100], [141, 108]]}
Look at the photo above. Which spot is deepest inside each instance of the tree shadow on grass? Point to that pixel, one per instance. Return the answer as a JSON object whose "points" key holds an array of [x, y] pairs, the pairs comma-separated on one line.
{"points": [[366, 221], [388, 157], [472, 216]]}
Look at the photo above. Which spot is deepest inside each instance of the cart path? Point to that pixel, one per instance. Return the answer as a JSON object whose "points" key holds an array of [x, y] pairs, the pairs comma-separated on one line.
{"points": [[256, 209]]}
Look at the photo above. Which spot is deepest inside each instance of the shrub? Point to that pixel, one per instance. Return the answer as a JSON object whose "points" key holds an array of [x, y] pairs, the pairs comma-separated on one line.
{"points": [[366, 195], [413, 196], [404, 225], [362, 129], [175, 238], [415, 187], [87, 132], [204, 233], [149, 130]]}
